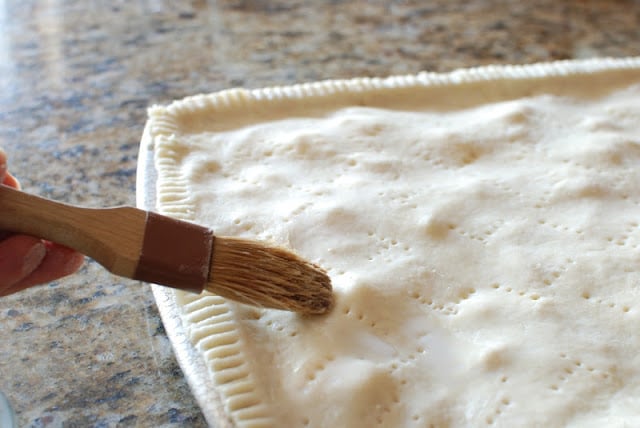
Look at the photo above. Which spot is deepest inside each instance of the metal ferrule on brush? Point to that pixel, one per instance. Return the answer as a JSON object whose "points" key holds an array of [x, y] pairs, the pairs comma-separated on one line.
{"points": [[175, 253]]}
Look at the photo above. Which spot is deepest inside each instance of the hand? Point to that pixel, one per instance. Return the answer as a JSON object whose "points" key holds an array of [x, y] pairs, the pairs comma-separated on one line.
{"points": [[26, 261]]}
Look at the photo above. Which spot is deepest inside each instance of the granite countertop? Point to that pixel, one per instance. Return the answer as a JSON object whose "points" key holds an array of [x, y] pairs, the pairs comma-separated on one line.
{"points": [[76, 80]]}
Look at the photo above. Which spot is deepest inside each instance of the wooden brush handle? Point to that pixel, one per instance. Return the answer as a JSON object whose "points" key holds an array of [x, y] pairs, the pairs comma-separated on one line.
{"points": [[127, 241], [111, 236]]}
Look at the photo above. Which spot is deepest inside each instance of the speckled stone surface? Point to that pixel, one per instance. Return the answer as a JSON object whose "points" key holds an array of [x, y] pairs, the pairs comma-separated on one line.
{"points": [[75, 81]]}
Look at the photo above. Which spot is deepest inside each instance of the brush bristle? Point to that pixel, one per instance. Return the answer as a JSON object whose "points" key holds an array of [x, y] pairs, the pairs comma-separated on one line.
{"points": [[273, 277]]}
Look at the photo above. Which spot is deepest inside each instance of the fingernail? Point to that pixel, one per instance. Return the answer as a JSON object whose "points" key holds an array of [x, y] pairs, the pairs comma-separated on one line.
{"points": [[33, 258]]}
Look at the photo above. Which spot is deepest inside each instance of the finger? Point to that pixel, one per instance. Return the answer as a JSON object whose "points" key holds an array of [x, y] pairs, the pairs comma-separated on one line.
{"points": [[3, 164], [5, 177], [59, 262], [20, 255], [10, 180]]}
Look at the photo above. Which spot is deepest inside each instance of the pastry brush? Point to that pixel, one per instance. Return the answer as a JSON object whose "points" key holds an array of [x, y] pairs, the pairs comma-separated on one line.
{"points": [[150, 247]]}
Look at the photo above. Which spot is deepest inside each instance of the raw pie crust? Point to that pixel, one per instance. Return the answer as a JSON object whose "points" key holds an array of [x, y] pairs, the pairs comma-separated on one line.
{"points": [[481, 229]]}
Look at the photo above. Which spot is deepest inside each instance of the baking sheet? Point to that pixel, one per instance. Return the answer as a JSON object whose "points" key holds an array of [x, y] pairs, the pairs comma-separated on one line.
{"points": [[191, 362]]}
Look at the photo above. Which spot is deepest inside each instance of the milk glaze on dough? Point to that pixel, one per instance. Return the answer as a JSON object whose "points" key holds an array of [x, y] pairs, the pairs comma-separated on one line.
{"points": [[481, 229]]}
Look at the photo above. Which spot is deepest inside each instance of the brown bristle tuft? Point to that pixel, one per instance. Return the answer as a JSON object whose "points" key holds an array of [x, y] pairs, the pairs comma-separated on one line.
{"points": [[268, 276]]}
